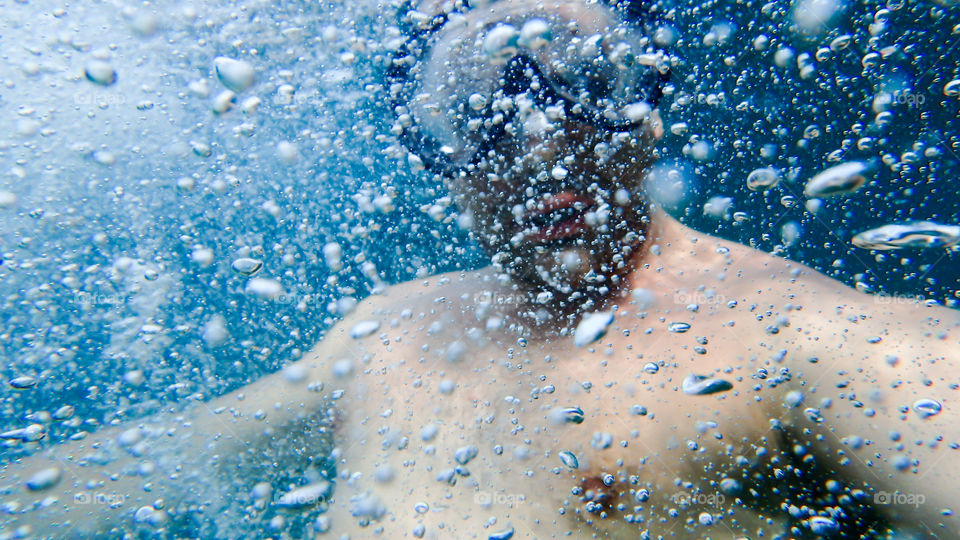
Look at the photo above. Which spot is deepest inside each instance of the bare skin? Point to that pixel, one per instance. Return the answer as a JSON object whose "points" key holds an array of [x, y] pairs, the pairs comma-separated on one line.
{"points": [[528, 484]]}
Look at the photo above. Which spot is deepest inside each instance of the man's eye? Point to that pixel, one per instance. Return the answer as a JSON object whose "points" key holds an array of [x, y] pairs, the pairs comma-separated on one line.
{"points": [[598, 84]]}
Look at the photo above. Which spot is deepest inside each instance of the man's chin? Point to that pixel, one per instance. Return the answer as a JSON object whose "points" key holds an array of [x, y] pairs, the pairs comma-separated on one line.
{"points": [[564, 273], [565, 270]]}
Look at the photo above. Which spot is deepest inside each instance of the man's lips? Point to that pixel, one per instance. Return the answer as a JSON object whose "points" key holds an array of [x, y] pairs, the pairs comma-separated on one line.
{"points": [[556, 217]]}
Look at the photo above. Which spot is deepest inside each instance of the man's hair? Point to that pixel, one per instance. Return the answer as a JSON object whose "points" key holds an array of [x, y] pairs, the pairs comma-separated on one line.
{"points": [[645, 14], [417, 28]]}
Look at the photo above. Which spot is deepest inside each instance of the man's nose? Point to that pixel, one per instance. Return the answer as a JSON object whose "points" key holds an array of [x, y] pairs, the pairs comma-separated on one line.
{"points": [[568, 138], [543, 146]]}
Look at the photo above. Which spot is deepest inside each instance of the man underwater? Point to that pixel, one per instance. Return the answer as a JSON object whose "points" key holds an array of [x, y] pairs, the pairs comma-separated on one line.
{"points": [[571, 389]]}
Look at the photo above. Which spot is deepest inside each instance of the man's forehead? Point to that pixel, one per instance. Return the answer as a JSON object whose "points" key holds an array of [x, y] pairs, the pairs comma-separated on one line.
{"points": [[434, 7], [592, 13]]}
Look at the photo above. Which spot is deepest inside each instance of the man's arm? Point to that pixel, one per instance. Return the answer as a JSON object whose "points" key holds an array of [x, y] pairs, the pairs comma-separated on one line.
{"points": [[882, 404], [112, 478]]}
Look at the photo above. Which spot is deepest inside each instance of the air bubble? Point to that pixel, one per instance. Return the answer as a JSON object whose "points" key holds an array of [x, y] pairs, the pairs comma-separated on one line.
{"points": [[952, 88], [236, 75], [700, 385], [591, 328], [100, 72], [246, 266], [927, 407], [678, 327], [569, 459]]}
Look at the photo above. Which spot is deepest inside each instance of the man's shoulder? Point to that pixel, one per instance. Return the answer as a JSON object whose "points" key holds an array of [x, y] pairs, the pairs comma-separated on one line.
{"points": [[425, 294], [772, 273], [405, 314], [808, 298]]}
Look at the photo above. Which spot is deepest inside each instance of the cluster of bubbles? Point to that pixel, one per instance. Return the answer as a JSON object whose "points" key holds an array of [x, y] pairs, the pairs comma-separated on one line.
{"points": [[190, 198], [823, 131]]}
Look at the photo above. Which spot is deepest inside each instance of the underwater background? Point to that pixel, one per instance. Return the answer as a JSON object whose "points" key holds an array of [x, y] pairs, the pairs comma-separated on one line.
{"points": [[163, 242]]}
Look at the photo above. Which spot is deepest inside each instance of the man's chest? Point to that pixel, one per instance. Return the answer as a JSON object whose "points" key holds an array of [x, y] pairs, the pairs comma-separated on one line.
{"points": [[616, 458], [611, 434]]}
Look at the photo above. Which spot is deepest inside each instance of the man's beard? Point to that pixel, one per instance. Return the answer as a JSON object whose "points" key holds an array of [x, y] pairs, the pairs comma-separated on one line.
{"points": [[565, 269], [587, 266]]}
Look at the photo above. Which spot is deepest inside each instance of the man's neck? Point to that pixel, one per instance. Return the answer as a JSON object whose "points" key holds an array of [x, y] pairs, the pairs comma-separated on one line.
{"points": [[665, 239]]}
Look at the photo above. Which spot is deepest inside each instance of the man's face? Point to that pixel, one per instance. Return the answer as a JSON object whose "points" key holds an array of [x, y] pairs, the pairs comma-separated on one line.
{"points": [[562, 207], [557, 201]]}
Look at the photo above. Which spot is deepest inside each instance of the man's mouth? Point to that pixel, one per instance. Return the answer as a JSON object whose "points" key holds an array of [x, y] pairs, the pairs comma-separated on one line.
{"points": [[556, 217]]}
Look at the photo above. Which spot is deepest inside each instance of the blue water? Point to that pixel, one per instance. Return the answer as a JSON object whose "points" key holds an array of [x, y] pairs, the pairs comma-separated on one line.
{"points": [[105, 292]]}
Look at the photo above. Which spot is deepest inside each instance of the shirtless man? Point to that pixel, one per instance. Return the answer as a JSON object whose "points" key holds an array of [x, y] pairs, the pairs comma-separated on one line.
{"points": [[613, 373]]}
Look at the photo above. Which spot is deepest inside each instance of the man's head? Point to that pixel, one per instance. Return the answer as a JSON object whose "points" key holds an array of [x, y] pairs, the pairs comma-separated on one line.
{"points": [[541, 117]]}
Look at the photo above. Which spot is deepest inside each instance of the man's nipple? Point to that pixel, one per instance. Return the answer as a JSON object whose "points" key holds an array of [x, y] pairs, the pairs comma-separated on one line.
{"points": [[597, 496]]}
